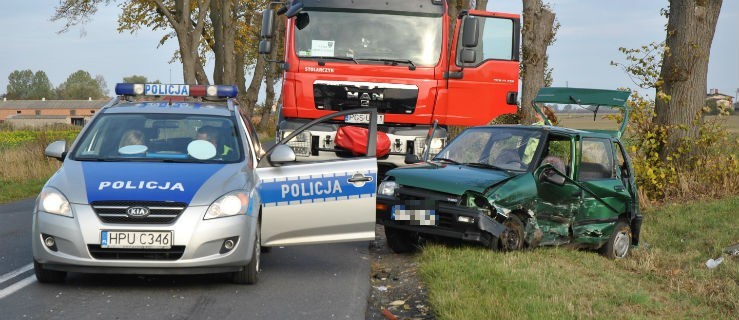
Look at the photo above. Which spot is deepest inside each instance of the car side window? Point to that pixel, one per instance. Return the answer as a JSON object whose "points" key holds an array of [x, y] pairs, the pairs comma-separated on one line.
{"points": [[558, 152], [496, 41], [597, 160], [621, 166]]}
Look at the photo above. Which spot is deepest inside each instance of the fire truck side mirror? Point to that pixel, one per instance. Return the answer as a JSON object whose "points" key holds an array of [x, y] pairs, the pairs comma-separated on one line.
{"points": [[265, 46], [468, 55], [470, 32], [268, 24], [294, 9]]}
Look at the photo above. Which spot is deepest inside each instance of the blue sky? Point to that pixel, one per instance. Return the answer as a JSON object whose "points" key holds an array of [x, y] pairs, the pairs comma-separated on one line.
{"points": [[588, 40]]}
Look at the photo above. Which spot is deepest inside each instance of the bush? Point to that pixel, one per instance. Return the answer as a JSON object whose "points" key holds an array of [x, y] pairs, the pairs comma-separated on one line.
{"points": [[508, 118], [706, 167], [22, 152]]}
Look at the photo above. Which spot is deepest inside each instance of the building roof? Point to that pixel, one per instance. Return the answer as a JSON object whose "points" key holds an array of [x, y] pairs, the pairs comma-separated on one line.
{"points": [[25, 116], [52, 104]]}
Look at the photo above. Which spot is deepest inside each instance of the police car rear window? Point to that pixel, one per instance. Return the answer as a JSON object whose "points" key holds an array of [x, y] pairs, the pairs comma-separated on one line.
{"points": [[160, 137]]}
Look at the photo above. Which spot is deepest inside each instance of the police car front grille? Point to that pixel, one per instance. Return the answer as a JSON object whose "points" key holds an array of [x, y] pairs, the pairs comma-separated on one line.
{"points": [[173, 253], [159, 212]]}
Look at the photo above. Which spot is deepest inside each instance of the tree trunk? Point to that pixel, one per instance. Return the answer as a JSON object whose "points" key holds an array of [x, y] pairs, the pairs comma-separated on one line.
{"points": [[188, 37], [690, 29], [252, 92], [537, 34], [229, 39], [216, 20], [273, 74]]}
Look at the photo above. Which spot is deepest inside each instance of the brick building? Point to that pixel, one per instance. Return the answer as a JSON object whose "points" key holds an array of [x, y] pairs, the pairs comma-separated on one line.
{"points": [[36, 113]]}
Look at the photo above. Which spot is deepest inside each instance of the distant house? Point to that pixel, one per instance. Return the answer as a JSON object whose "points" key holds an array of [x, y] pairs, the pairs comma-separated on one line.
{"points": [[37, 113], [715, 98]]}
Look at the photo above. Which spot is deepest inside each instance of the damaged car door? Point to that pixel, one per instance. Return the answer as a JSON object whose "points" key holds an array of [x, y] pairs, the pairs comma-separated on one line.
{"points": [[558, 201]]}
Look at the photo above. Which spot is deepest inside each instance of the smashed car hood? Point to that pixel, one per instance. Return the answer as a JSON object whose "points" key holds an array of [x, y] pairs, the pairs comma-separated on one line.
{"points": [[448, 178]]}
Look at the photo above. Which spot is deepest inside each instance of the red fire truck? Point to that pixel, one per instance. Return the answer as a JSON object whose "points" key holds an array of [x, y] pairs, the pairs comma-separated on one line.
{"points": [[400, 57]]}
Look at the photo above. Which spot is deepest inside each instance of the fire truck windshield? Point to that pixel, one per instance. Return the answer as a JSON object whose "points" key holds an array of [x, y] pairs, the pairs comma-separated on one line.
{"points": [[370, 37]]}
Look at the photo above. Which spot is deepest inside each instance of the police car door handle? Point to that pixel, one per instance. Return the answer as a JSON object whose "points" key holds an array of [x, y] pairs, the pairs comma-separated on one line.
{"points": [[618, 188], [360, 178]]}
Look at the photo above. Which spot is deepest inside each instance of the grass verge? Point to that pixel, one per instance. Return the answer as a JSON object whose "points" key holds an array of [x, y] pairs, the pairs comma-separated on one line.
{"points": [[17, 190], [664, 278]]}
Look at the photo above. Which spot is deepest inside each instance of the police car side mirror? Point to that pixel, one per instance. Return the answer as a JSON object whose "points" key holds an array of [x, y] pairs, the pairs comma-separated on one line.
{"points": [[411, 158], [57, 150], [282, 154]]}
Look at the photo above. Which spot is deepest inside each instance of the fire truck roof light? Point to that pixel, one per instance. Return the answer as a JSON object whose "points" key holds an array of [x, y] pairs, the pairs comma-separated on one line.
{"points": [[159, 89]]}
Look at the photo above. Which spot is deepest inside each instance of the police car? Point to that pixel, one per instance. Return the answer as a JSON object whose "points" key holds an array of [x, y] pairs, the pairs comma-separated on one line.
{"points": [[165, 185]]}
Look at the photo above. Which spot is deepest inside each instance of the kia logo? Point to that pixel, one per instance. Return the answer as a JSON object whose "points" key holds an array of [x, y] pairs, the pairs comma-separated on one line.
{"points": [[137, 212]]}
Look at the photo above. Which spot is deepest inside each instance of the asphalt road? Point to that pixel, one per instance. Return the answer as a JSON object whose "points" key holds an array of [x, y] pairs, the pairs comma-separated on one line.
{"points": [[302, 282]]}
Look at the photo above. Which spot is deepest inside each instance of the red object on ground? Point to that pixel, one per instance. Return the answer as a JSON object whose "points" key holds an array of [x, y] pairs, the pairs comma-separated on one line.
{"points": [[355, 139], [389, 315]]}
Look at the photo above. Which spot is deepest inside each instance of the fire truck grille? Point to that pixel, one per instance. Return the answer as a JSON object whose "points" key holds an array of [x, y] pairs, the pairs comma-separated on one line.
{"points": [[386, 98]]}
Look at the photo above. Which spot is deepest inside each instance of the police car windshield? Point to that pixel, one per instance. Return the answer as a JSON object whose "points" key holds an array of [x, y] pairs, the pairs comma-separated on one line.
{"points": [[160, 138]]}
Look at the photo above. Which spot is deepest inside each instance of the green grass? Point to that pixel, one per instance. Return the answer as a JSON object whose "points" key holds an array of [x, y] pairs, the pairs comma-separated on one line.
{"points": [[664, 278], [14, 190]]}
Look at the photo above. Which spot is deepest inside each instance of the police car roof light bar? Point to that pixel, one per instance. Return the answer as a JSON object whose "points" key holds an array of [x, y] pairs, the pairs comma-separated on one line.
{"points": [[158, 89]]}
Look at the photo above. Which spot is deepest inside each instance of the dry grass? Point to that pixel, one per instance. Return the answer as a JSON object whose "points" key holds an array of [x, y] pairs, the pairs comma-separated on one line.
{"points": [[26, 162], [585, 121]]}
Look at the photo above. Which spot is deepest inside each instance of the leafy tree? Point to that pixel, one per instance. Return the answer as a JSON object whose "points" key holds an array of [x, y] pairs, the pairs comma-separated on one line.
{"points": [[80, 85], [135, 79], [538, 31], [683, 85], [19, 84], [26, 85], [40, 86], [185, 18], [226, 28]]}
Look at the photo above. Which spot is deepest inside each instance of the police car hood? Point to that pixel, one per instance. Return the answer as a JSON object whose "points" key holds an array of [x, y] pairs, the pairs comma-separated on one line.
{"points": [[452, 179], [190, 183]]}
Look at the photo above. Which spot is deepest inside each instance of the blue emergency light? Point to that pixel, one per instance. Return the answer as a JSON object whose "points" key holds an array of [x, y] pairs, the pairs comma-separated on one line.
{"points": [[184, 90]]}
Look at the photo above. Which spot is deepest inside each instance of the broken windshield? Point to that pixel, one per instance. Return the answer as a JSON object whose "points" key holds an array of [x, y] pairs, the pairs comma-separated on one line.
{"points": [[501, 148], [371, 36]]}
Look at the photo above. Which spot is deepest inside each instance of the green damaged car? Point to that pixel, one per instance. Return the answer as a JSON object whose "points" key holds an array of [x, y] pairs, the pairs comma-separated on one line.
{"points": [[514, 186]]}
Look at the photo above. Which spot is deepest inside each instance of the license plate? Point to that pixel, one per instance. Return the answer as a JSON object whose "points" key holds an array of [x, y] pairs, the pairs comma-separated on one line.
{"points": [[419, 217], [363, 118], [136, 239]]}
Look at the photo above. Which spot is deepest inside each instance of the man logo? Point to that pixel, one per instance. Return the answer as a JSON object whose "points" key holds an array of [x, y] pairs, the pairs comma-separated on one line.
{"points": [[137, 212]]}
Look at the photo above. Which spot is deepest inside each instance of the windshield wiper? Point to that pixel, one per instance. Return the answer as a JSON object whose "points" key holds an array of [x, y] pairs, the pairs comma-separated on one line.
{"points": [[411, 65], [484, 165], [321, 58], [94, 159], [446, 160]]}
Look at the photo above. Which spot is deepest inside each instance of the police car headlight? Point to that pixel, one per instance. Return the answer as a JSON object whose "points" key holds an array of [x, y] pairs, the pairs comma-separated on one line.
{"points": [[52, 201], [228, 205], [387, 188]]}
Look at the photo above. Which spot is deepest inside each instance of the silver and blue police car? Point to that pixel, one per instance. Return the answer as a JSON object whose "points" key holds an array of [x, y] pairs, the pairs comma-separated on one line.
{"points": [[182, 186]]}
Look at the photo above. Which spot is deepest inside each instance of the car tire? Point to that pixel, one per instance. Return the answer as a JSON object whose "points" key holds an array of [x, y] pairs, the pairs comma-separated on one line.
{"points": [[494, 243], [619, 243], [401, 241], [46, 275], [250, 273], [512, 238]]}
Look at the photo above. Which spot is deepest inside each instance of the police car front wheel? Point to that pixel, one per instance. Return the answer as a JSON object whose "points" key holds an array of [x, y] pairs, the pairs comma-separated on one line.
{"points": [[46, 275], [249, 274]]}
